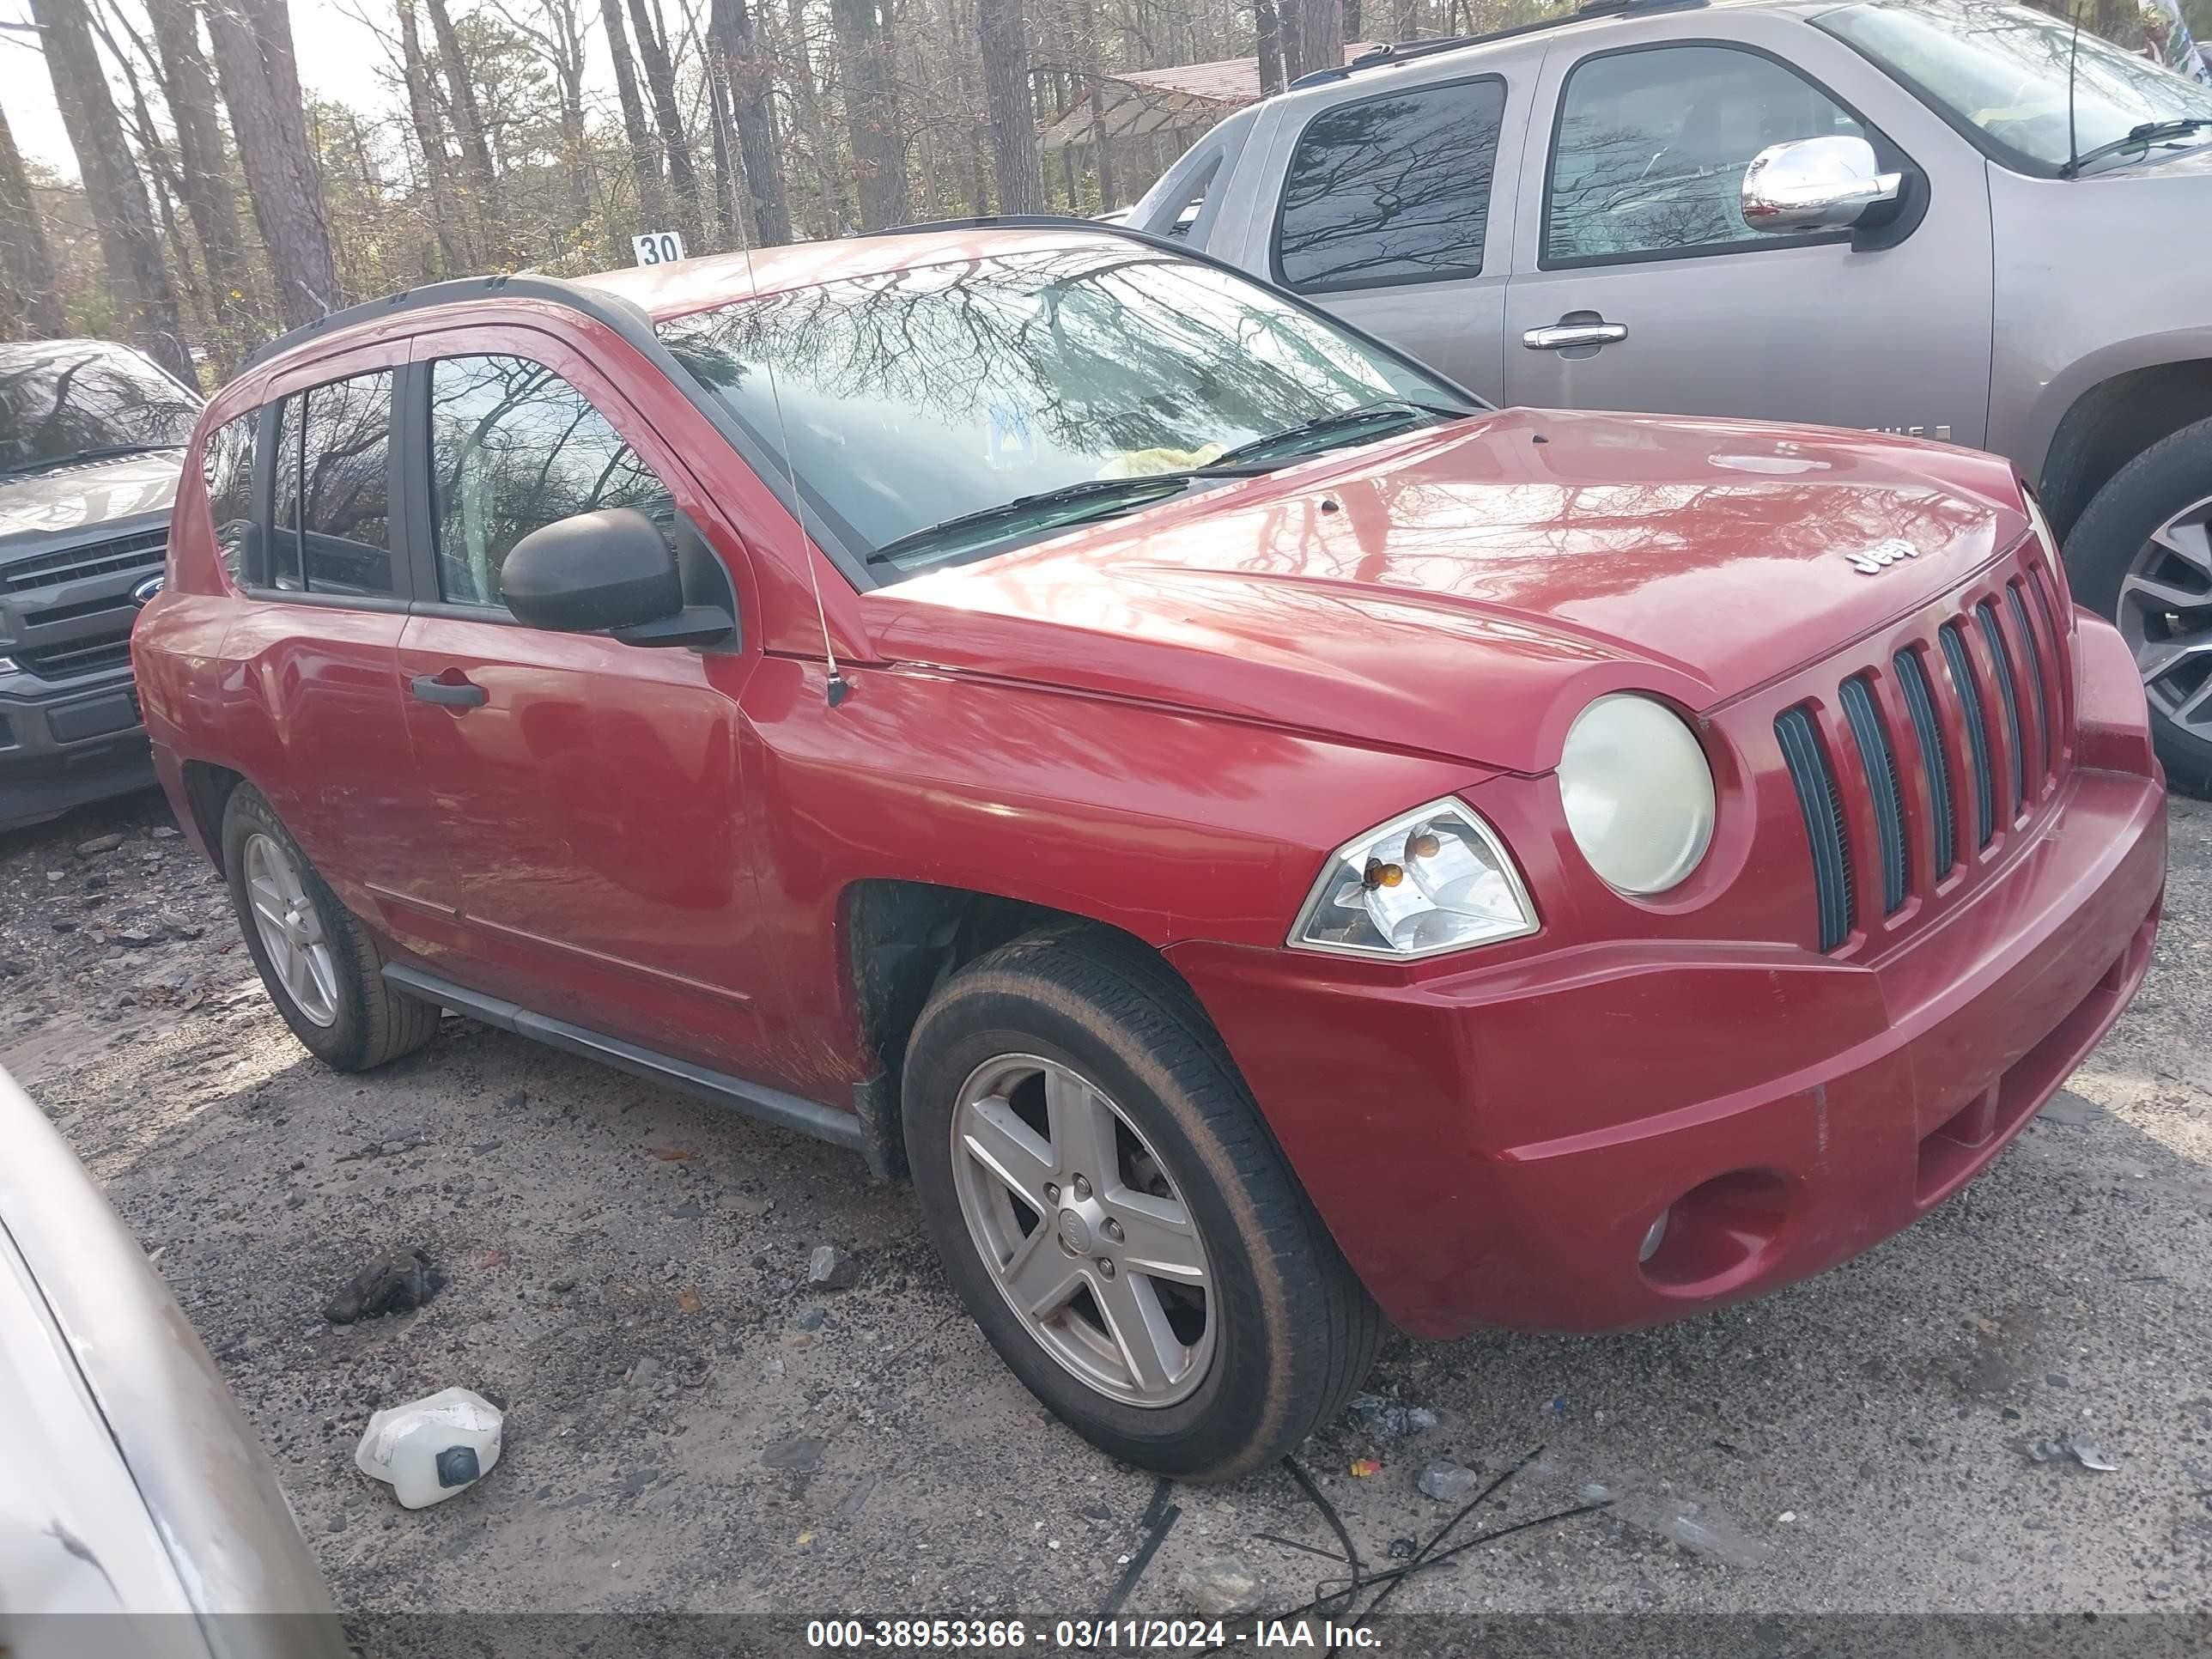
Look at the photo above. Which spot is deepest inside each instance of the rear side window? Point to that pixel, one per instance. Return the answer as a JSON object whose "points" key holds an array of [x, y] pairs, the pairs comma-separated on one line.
{"points": [[514, 447], [228, 464], [330, 517], [1390, 190], [1652, 145], [346, 493]]}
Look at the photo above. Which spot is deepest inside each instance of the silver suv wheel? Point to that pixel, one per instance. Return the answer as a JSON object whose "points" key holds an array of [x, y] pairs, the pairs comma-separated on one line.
{"points": [[2166, 615], [1084, 1230]]}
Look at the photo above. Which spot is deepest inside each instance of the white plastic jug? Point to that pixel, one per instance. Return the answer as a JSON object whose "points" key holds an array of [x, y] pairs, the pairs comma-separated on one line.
{"points": [[431, 1449]]}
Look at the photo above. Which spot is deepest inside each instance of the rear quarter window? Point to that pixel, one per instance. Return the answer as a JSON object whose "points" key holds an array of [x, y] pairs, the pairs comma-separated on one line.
{"points": [[228, 464]]}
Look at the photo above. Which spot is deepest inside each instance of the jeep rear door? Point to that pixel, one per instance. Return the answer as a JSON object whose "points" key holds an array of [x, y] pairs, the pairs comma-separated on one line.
{"points": [[1629, 221], [314, 650], [591, 795]]}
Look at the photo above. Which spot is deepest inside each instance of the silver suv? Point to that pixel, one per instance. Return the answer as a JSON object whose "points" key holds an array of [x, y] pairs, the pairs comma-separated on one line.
{"points": [[1893, 215]]}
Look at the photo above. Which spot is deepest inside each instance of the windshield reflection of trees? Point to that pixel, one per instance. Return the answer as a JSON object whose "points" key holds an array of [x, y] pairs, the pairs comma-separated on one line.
{"points": [[2022, 76], [1392, 189], [899, 390], [55, 404]]}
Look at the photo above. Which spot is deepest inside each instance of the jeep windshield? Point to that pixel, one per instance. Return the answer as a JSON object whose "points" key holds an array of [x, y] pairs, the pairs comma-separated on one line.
{"points": [[2001, 70], [62, 402], [955, 409]]}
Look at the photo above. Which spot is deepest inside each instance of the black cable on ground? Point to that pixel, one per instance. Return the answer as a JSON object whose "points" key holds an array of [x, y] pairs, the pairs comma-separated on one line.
{"points": [[1427, 1558], [1440, 1534], [1160, 1517], [1335, 1525]]}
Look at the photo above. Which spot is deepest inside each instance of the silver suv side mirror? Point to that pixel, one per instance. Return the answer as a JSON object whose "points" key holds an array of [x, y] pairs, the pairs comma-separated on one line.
{"points": [[1815, 183]]}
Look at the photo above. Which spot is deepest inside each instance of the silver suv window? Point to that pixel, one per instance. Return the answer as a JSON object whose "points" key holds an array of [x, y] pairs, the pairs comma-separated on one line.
{"points": [[1392, 189], [1652, 144]]}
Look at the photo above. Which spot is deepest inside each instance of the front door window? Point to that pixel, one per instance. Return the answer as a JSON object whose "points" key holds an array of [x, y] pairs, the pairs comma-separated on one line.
{"points": [[514, 447], [1652, 146]]}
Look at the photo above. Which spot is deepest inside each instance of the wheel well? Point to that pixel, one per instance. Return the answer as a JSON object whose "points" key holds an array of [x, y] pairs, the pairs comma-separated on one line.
{"points": [[2110, 424], [207, 790], [904, 938]]}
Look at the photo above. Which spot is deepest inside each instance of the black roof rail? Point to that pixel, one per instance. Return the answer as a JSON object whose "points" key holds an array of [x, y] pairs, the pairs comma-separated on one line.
{"points": [[594, 302], [1405, 51], [1395, 51]]}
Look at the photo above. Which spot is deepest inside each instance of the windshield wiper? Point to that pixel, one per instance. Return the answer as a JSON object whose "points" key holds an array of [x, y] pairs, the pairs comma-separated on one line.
{"points": [[1069, 504], [104, 452], [2138, 138], [1378, 418]]}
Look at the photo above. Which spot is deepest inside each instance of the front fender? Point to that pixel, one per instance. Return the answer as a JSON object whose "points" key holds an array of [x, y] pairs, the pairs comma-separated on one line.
{"points": [[1168, 825]]}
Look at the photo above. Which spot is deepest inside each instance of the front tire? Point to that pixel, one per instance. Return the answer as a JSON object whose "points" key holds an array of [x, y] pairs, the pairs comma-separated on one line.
{"points": [[1105, 1197], [320, 966], [2140, 554]]}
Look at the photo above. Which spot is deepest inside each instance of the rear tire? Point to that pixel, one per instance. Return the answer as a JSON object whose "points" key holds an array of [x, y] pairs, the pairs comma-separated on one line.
{"points": [[2139, 554], [1248, 1328], [320, 967]]}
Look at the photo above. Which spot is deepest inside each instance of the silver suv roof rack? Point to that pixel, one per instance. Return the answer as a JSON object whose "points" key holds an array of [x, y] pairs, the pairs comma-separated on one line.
{"points": [[1404, 51]]}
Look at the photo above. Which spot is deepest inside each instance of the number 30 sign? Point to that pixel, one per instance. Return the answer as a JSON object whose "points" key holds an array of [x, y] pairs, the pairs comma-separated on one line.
{"points": [[659, 247]]}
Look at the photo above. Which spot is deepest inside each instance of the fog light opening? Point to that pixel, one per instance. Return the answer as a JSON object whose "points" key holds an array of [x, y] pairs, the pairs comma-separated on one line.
{"points": [[1716, 1237]]}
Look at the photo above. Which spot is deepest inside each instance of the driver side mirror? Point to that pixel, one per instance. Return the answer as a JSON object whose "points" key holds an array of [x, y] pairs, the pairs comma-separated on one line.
{"points": [[1815, 183], [611, 572]]}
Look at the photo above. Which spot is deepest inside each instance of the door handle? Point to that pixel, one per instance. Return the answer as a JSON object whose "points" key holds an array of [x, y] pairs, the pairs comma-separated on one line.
{"points": [[1558, 337], [455, 693]]}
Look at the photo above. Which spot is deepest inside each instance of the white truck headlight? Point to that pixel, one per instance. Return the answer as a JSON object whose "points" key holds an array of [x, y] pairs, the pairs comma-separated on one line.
{"points": [[1638, 793], [1436, 880]]}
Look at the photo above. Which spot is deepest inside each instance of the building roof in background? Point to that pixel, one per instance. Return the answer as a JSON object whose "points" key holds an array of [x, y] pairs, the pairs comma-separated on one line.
{"points": [[1138, 102]]}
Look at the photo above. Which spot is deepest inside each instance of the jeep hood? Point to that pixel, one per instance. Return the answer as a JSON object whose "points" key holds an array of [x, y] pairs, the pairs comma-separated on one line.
{"points": [[59, 500], [1464, 590]]}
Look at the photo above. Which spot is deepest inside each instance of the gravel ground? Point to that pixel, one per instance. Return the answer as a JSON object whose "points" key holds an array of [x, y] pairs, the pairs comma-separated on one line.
{"points": [[693, 1426]]}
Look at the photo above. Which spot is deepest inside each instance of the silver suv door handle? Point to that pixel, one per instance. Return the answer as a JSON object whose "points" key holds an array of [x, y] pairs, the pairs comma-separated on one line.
{"points": [[1557, 336]]}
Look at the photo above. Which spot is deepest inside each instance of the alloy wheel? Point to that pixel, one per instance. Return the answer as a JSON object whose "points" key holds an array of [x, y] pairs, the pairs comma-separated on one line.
{"points": [[291, 932], [1084, 1228], [2166, 615]]}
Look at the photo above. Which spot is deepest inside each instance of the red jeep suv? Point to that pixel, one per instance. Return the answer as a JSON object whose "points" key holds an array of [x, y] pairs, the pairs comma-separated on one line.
{"points": [[1270, 844]]}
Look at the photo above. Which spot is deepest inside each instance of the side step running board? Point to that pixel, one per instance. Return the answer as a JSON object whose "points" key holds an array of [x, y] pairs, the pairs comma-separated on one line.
{"points": [[754, 1100]]}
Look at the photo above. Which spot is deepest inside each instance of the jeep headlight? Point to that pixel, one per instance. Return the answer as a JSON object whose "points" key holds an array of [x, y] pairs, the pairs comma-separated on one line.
{"points": [[1436, 880], [1638, 793]]}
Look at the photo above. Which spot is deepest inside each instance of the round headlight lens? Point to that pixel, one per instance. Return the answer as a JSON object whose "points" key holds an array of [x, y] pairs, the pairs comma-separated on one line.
{"points": [[1638, 793]]}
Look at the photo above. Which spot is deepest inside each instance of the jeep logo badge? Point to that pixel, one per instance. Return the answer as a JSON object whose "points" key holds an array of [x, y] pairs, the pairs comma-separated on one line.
{"points": [[142, 595], [1869, 560]]}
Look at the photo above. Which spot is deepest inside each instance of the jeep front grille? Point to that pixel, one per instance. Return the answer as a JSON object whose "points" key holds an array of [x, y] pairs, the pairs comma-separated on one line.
{"points": [[1824, 823], [1920, 702], [1881, 763], [1969, 693], [1960, 732]]}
